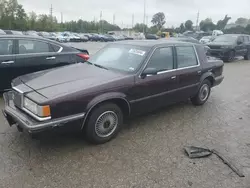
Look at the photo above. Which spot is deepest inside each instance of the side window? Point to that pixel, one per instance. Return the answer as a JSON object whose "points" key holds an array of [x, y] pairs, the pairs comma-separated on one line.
{"points": [[33, 46], [246, 39], [162, 59], [186, 56], [55, 48], [6, 47]]}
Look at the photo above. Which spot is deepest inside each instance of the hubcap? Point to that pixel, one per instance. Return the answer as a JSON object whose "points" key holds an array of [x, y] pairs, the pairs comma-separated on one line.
{"points": [[204, 92], [106, 124]]}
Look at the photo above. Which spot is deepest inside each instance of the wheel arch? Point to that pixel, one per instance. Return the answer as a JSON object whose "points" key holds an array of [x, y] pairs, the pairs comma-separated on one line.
{"points": [[209, 76], [117, 98]]}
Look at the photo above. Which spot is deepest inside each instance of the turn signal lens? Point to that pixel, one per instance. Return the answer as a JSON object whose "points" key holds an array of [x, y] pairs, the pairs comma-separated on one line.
{"points": [[46, 111]]}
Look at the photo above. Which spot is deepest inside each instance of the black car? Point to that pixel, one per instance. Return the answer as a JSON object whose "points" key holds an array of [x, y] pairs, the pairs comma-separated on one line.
{"points": [[121, 80], [25, 54], [227, 47], [151, 37]]}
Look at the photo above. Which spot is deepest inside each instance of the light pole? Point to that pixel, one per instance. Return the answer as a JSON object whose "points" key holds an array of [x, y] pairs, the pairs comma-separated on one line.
{"points": [[144, 14]]}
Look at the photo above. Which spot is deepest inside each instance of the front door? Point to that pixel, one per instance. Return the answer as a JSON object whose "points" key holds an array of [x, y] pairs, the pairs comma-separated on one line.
{"points": [[188, 71], [240, 46], [153, 91], [8, 67]]}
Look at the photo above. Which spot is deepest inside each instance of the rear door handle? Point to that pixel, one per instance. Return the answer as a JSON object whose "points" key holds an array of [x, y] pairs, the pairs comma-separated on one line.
{"points": [[173, 77], [199, 72], [50, 58], [7, 62]]}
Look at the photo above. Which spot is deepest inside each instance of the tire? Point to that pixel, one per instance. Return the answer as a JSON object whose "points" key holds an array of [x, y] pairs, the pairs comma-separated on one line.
{"points": [[107, 114], [203, 94], [230, 57], [247, 56]]}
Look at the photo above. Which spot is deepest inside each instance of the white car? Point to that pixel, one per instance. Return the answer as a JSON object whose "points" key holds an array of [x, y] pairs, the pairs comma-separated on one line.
{"points": [[206, 39]]}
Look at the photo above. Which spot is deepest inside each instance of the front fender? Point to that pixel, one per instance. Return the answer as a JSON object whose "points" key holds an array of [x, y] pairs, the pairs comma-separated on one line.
{"points": [[104, 97]]}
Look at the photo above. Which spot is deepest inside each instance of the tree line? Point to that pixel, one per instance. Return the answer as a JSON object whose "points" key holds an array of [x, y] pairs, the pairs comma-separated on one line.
{"points": [[14, 17]]}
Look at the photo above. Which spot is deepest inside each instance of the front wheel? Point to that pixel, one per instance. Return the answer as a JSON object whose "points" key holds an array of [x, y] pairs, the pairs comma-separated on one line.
{"points": [[203, 94], [247, 56], [104, 123]]}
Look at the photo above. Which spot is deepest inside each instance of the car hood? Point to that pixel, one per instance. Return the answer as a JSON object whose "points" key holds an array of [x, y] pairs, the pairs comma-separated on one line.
{"points": [[54, 82], [220, 43]]}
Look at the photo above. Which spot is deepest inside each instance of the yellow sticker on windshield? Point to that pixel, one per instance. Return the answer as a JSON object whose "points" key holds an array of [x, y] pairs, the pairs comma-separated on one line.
{"points": [[137, 52]]}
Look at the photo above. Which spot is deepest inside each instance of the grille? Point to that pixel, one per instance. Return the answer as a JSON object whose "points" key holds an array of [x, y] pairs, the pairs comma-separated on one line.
{"points": [[17, 99], [215, 47]]}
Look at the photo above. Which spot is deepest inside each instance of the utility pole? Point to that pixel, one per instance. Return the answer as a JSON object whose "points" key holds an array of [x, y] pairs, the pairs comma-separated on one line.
{"points": [[133, 17], [51, 16], [61, 17], [197, 21], [113, 19], [101, 21], [144, 14]]}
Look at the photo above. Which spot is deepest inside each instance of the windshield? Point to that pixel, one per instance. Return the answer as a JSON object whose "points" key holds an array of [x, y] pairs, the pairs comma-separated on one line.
{"points": [[225, 38], [126, 58]]}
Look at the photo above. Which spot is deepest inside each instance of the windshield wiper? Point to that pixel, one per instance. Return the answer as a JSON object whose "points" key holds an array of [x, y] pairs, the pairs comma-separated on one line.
{"points": [[99, 66]]}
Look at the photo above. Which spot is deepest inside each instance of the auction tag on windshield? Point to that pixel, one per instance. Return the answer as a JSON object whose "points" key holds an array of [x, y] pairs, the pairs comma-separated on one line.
{"points": [[137, 52]]}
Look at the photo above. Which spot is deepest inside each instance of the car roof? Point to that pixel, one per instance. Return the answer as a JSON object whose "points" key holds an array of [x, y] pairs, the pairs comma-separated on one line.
{"points": [[237, 35], [30, 37], [151, 43]]}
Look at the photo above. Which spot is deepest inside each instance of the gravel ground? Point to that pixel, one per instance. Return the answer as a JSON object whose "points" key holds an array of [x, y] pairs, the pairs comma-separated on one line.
{"points": [[148, 152]]}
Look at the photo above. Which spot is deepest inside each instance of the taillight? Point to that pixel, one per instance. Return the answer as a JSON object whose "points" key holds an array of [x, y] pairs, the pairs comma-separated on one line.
{"points": [[83, 56]]}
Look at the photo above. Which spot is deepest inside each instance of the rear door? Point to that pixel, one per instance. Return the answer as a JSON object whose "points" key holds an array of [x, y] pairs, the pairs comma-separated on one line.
{"points": [[188, 71], [34, 55], [8, 68], [63, 56]]}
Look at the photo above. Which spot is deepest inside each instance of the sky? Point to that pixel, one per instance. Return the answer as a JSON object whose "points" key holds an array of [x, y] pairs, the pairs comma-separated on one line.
{"points": [[176, 11]]}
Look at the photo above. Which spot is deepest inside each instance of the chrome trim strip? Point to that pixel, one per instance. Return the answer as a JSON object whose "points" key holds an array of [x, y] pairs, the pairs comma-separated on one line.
{"points": [[18, 90], [60, 50], [35, 116]]}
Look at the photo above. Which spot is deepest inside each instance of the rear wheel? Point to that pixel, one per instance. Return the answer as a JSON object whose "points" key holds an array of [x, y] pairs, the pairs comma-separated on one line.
{"points": [[104, 123], [203, 94], [247, 56], [230, 56]]}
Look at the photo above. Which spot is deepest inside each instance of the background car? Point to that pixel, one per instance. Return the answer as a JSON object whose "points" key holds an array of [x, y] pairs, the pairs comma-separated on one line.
{"points": [[20, 55], [229, 46], [206, 39], [2, 32], [83, 37], [151, 37], [31, 33], [71, 37], [12, 32]]}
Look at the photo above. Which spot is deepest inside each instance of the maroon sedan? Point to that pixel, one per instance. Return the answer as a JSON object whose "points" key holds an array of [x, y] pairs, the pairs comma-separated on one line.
{"points": [[121, 80]]}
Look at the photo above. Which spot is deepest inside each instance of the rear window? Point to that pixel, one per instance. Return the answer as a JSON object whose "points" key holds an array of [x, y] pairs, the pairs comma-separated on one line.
{"points": [[186, 56], [55, 48]]}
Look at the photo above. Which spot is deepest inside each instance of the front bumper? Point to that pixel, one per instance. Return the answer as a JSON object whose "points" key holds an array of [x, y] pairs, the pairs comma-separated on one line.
{"points": [[16, 116], [219, 53]]}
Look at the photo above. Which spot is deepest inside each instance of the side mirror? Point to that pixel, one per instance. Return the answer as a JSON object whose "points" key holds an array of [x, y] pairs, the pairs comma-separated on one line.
{"points": [[148, 71], [239, 42]]}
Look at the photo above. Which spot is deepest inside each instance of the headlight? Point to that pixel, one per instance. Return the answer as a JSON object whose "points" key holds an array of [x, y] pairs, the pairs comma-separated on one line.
{"points": [[41, 111]]}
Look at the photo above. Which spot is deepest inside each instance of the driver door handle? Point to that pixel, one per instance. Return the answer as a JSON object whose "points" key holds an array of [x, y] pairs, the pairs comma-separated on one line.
{"points": [[50, 58], [173, 77], [7, 62]]}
